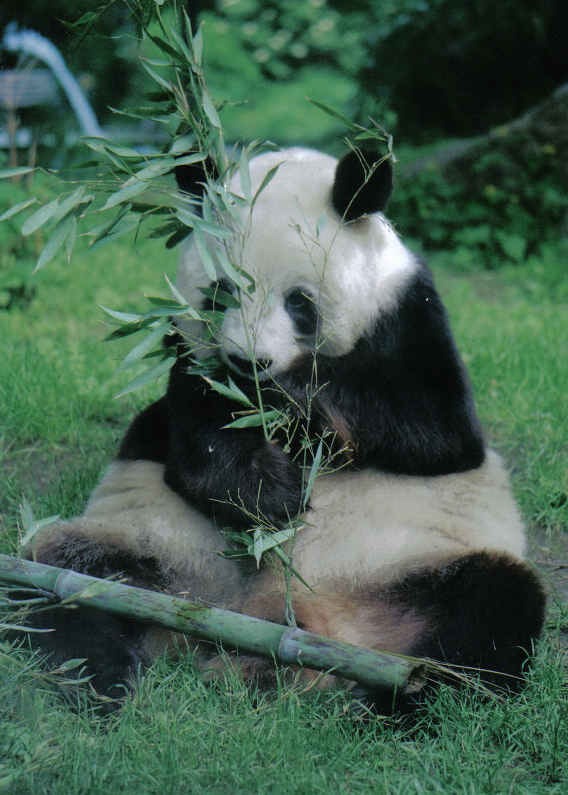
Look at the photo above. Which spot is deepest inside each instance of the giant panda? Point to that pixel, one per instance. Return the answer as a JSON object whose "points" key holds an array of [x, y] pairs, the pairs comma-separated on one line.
{"points": [[412, 544]]}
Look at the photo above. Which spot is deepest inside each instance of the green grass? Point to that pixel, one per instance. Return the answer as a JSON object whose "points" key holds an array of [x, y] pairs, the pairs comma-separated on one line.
{"points": [[59, 425]]}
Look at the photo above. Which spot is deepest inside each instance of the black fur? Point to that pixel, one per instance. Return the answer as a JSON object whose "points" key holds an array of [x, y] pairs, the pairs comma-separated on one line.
{"points": [[403, 392], [358, 189], [485, 611], [111, 645], [223, 471], [191, 178], [147, 436]]}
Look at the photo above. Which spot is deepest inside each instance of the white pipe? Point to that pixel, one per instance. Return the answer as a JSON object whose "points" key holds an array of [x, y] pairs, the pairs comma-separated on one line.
{"points": [[32, 43]]}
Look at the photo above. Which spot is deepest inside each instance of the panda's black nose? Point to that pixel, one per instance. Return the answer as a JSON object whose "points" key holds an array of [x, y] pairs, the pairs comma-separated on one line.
{"points": [[246, 367]]}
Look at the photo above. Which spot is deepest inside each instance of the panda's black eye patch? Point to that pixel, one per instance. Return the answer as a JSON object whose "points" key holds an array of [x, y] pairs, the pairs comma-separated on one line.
{"points": [[220, 295], [301, 307]]}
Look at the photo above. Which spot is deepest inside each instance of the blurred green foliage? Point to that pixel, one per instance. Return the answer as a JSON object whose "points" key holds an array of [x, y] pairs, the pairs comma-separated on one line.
{"points": [[18, 254], [441, 67], [457, 68], [425, 69], [500, 210]]}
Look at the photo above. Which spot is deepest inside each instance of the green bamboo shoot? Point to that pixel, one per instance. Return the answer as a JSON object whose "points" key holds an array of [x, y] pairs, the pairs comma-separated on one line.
{"points": [[289, 645]]}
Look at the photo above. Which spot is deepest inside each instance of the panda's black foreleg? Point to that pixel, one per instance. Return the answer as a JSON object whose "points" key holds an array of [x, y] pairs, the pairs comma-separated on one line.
{"points": [[244, 477], [113, 647], [231, 474]]}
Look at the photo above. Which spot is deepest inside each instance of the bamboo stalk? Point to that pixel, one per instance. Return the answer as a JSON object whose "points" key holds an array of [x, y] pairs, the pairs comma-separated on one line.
{"points": [[288, 645]]}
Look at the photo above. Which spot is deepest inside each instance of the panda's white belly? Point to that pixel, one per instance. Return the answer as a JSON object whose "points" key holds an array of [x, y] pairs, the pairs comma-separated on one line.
{"points": [[363, 526], [378, 525]]}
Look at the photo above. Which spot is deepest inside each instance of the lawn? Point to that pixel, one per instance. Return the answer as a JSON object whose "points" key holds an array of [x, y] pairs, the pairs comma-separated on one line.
{"points": [[59, 425]]}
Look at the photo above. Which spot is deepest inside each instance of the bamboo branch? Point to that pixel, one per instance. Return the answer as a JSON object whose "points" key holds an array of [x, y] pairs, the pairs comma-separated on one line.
{"points": [[288, 645]]}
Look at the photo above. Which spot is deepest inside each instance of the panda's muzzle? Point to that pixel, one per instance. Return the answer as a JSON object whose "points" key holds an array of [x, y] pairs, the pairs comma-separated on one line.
{"points": [[246, 367]]}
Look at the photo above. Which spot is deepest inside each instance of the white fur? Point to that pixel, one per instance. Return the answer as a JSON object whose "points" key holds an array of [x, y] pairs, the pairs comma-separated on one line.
{"points": [[296, 239], [364, 527], [371, 527]]}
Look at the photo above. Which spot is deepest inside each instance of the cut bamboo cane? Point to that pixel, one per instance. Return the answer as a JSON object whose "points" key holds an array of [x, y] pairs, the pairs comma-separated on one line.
{"points": [[289, 645]]}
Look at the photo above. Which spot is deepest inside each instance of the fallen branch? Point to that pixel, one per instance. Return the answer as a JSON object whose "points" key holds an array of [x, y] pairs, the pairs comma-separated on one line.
{"points": [[544, 123], [288, 645]]}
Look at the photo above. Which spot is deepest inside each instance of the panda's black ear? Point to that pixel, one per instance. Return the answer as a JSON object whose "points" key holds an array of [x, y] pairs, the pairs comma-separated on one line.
{"points": [[362, 185], [191, 178]]}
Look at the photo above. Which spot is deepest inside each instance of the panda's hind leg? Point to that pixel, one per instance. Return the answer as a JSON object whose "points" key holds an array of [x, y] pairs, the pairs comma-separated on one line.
{"points": [[483, 611], [114, 648]]}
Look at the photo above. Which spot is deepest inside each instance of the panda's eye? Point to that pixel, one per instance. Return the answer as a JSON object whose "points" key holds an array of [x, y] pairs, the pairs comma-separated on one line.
{"points": [[223, 286], [301, 307], [220, 295]]}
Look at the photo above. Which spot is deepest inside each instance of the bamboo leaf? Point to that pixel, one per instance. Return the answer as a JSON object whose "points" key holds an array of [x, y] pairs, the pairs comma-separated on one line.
{"points": [[154, 75], [254, 420], [194, 221], [314, 469], [120, 225], [6, 173], [187, 217], [128, 329], [21, 628], [71, 238], [189, 159], [156, 169], [210, 110], [69, 665], [145, 346], [26, 515], [166, 310], [123, 151], [230, 390], [63, 229], [174, 291], [122, 317], [206, 258], [95, 144], [29, 524], [157, 300], [220, 297], [197, 46], [75, 200], [182, 144], [266, 180], [133, 187], [334, 113], [177, 237], [17, 208], [244, 175], [183, 53], [40, 217], [236, 275], [147, 377], [265, 541], [164, 46]]}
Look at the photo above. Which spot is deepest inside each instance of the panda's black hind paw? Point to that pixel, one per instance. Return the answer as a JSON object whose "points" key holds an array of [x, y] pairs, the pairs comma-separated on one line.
{"points": [[110, 646]]}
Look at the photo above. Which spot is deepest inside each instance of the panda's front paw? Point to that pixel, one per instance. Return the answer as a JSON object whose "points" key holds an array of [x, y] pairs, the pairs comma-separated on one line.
{"points": [[276, 483]]}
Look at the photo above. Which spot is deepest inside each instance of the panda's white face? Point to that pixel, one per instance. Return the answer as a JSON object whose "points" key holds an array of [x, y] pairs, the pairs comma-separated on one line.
{"points": [[319, 282]]}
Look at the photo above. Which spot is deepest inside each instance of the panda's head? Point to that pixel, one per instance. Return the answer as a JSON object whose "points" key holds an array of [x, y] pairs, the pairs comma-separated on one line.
{"points": [[325, 262]]}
